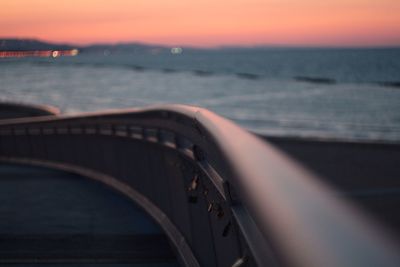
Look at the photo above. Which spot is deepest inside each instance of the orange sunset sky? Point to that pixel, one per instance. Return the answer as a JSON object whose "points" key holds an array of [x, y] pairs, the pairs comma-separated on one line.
{"points": [[205, 22]]}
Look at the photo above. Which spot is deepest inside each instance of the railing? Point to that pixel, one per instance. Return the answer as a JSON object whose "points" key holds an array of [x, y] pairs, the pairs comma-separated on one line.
{"points": [[222, 196], [10, 110]]}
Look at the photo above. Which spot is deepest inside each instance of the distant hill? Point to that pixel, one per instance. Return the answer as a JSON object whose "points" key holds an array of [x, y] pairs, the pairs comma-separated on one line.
{"points": [[139, 48], [30, 45], [124, 47], [130, 48], [35, 45]]}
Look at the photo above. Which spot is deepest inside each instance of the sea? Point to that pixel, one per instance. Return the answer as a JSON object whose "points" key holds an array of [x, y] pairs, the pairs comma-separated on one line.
{"points": [[346, 94]]}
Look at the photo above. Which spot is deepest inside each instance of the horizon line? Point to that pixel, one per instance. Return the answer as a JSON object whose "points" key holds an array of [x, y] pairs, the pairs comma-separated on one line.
{"points": [[210, 47]]}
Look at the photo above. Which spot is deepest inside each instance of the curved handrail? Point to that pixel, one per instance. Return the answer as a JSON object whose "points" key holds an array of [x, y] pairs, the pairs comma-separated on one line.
{"points": [[10, 110], [282, 213]]}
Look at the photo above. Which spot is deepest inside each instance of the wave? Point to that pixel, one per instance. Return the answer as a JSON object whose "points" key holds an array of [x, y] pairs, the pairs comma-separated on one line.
{"points": [[249, 76], [319, 80], [202, 72], [395, 84], [136, 67]]}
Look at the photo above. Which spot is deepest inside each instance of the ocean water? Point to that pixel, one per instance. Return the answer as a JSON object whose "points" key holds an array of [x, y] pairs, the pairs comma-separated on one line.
{"points": [[351, 94]]}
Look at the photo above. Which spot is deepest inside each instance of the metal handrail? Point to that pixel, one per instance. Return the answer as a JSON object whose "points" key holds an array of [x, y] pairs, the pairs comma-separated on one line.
{"points": [[19, 110], [271, 208]]}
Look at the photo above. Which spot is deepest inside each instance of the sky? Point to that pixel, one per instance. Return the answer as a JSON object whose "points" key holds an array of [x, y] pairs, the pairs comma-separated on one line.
{"points": [[205, 23]]}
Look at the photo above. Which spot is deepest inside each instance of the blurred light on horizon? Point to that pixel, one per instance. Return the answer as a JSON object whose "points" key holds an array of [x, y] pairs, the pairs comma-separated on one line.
{"points": [[176, 50], [74, 52], [206, 23], [39, 53]]}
